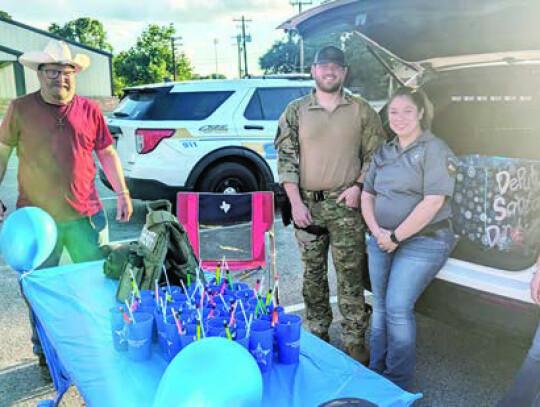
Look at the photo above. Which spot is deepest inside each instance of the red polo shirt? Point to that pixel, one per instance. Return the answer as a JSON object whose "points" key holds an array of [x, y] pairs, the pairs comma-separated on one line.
{"points": [[54, 146]]}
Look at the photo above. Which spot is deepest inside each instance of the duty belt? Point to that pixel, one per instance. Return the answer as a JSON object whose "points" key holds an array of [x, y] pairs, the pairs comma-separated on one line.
{"points": [[317, 196]]}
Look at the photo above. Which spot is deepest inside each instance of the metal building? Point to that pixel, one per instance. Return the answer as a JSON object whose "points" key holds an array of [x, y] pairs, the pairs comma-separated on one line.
{"points": [[16, 80]]}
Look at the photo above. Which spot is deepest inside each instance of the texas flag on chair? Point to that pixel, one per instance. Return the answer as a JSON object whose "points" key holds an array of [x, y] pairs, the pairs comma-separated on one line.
{"points": [[230, 226]]}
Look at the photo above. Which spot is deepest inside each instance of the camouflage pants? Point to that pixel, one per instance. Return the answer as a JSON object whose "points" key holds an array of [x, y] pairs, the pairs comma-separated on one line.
{"points": [[347, 241]]}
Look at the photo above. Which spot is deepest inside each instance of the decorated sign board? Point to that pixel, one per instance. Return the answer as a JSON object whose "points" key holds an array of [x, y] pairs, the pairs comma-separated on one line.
{"points": [[497, 203]]}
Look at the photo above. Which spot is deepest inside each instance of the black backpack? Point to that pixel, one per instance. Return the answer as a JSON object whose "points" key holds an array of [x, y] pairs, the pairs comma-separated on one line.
{"points": [[163, 242]]}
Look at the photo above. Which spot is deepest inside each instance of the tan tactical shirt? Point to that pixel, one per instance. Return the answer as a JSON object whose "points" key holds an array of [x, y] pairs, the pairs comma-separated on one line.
{"points": [[321, 150]]}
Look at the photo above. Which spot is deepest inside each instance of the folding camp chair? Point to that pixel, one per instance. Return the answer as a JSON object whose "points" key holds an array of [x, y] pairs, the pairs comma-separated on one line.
{"points": [[237, 228]]}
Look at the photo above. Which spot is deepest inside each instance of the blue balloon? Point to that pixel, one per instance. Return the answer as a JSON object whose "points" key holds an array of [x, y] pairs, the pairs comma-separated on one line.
{"points": [[212, 372], [28, 238]]}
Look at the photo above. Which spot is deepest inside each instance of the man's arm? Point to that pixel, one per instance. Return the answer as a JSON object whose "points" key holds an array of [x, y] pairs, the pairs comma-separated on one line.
{"points": [[371, 138], [288, 148], [113, 171], [535, 283], [5, 153]]}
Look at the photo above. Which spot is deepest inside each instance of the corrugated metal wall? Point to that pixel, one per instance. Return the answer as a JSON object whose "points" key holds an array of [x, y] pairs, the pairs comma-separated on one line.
{"points": [[7, 82], [94, 82], [7, 76]]}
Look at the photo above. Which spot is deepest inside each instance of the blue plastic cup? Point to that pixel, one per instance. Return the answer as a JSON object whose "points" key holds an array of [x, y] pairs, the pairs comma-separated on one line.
{"points": [[268, 316], [240, 286], [174, 290], [288, 338], [244, 295], [160, 328], [148, 310], [139, 337], [261, 343], [173, 339], [147, 298], [180, 297], [241, 338], [118, 329], [216, 325], [189, 336]]}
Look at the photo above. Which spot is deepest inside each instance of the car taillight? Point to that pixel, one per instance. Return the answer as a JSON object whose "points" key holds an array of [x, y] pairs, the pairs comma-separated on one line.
{"points": [[148, 139]]}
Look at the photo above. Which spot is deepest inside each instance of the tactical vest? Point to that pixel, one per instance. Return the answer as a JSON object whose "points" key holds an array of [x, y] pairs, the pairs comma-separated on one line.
{"points": [[162, 242]]}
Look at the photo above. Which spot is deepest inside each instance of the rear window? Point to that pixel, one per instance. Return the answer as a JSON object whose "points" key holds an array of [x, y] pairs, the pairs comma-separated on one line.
{"points": [[269, 103], [134, 105], [187, 105], [161, 105]]}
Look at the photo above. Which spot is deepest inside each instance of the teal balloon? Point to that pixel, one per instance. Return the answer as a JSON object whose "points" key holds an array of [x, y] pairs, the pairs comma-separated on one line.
{"points": [[212, 372], [28, 238]]}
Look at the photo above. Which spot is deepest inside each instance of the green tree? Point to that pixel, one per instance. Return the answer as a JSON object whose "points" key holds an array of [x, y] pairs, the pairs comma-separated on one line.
{"points": [[150, 59], [5, 15], [85, 30], [366, 75]]}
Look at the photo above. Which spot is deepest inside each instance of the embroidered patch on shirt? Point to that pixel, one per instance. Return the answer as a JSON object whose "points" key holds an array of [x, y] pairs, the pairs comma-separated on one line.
{"points": [[451, 164]]}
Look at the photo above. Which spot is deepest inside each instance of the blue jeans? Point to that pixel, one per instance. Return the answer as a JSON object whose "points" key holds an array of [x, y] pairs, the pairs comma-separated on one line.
{"points": [[397, 280], [525, 389], [82, 239]]}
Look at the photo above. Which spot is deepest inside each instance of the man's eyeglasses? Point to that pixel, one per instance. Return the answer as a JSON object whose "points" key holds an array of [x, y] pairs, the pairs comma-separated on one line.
{"points": [[55, 73]]}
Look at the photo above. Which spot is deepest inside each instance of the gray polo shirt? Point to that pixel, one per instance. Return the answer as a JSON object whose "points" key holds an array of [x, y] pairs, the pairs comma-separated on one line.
{"points": [[399, 178]]}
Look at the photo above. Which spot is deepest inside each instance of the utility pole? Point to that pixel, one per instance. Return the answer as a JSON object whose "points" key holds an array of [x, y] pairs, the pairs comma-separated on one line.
{"points": [[301, 3], [173, 51], [215, 54], [244, 40]]}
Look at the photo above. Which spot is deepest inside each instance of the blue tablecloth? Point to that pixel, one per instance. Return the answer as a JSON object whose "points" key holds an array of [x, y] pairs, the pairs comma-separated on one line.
{"points": [[72, 306]]}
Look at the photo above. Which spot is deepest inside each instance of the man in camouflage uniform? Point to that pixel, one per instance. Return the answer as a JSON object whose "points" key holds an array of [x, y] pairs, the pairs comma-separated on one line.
{"points": [[325, 141]]}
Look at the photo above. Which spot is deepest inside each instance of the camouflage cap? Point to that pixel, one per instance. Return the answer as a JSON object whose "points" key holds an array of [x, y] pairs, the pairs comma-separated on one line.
{"points": [[330, 54]]}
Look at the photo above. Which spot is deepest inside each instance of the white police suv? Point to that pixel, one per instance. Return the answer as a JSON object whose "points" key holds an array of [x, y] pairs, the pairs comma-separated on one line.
{"points": [[214, 135]]}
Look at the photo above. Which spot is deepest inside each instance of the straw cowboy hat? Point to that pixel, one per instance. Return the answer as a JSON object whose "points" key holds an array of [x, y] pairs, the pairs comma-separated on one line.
{"points": [[56, 52]]}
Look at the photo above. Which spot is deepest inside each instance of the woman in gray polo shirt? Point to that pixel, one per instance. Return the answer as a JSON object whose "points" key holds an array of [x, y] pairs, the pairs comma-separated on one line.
{"points": [[406, 205]]}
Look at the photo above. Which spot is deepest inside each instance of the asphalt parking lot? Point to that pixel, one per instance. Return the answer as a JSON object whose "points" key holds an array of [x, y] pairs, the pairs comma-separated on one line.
{"points": [[455, 367]]}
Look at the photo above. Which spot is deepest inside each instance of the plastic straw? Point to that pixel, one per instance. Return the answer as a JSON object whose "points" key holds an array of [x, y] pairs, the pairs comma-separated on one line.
{"points": [[200, 327], [166, 278], [243, 311], [268, 297], [130, 312], [227, 331], [274, 291], [185, 290], [177, 322], [134, 283], [224, 303], [248, 330]]}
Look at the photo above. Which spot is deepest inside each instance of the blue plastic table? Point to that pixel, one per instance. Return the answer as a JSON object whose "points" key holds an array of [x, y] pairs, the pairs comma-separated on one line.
{"points": [[72, 307]]}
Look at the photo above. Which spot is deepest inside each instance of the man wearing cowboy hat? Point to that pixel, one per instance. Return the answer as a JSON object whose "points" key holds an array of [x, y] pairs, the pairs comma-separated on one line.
{"points": [[55, 133]]}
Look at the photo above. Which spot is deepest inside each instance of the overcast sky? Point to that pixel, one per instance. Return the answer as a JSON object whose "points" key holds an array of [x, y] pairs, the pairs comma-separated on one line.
{"points": [[199, 22]]}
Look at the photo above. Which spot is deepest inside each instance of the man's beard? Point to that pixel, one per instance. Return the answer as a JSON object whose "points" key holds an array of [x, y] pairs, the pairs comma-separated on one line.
{"points": [[334, 88]]}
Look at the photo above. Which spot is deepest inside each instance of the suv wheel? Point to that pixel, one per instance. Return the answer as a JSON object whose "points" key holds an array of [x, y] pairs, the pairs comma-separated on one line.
{"points": [[229, 178]]}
